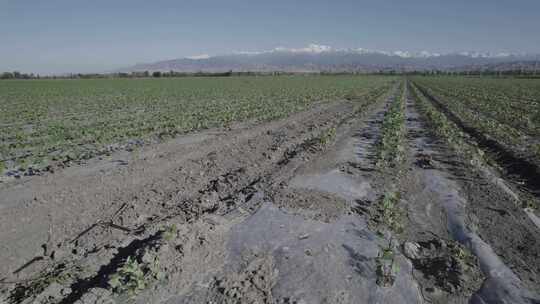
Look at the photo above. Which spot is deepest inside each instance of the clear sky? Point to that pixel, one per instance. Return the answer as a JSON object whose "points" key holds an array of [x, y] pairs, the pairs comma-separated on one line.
{"points": [[55, 36]]}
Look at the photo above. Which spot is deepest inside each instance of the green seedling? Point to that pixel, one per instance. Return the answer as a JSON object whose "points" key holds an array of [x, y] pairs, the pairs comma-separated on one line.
{"points": [[391, 212], [387, 268], [327, 136], [130, 278], [170, 232]]}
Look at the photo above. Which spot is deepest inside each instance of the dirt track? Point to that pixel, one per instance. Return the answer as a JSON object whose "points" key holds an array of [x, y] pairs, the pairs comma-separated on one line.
{"points": [[284, 212]]}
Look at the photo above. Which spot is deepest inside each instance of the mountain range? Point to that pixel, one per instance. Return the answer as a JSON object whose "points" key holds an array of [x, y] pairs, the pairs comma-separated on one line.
{"points": [[317, 58]]}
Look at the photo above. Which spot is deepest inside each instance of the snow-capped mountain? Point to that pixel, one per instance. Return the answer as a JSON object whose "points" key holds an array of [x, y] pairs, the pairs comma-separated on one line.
{"points": [[315, 57]]}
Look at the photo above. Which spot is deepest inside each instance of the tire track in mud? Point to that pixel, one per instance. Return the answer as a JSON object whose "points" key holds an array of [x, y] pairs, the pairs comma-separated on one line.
{"points": [[440, 177]]}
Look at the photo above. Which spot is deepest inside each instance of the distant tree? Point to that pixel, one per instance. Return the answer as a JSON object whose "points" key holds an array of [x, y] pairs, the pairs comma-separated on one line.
{"points": [[7, 75], [156, 74]]}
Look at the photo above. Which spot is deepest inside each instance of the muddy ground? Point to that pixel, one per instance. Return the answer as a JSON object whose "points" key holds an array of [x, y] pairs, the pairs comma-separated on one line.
{"points": [[285, 212]]}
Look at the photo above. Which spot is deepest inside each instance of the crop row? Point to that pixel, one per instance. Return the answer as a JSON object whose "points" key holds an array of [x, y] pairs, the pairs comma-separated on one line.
{"points": [[506, 110], [390, 148]]}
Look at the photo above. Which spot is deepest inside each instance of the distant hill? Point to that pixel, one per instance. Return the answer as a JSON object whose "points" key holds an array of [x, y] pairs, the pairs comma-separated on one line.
{"points": [[316, 58]]}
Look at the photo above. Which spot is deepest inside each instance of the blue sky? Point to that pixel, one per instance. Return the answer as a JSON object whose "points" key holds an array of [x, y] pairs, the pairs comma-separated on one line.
{"points": [[56, 36]]}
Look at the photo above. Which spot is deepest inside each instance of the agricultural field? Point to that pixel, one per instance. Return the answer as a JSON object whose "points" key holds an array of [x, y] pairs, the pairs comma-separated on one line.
{"points": [[282, 189], [506, 109], [503, 115], [56, 121]]}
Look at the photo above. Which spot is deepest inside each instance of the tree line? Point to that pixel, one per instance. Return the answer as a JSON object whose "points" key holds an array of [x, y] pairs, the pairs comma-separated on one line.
{"points": [[18, 75], [160, 74], [139, 74]]}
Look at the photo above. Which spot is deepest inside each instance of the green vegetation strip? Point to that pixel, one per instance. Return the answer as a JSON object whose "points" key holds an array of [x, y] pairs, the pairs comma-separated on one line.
{"points": [[447, 130], [389, 213], [391, 149]]}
